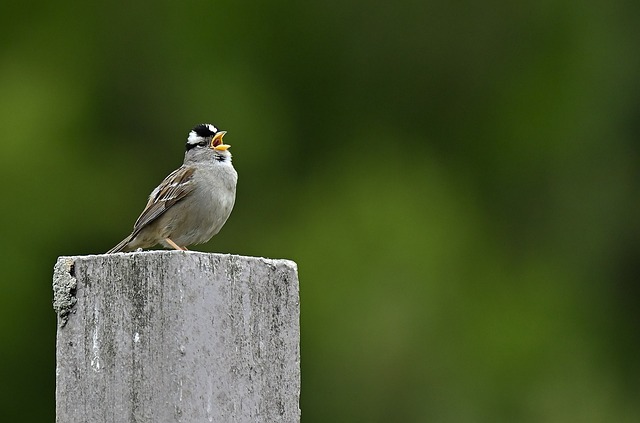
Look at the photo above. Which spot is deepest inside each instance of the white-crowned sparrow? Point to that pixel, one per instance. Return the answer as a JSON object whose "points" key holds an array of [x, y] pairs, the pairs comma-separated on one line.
{"points": [[193, 203]]}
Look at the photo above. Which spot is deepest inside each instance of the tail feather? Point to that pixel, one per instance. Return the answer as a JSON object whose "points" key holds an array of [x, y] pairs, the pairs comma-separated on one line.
{"points": [[122, 246]]}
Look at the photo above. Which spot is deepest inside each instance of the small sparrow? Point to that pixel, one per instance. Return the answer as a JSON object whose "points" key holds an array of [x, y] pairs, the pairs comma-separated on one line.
{"points": [[193, 203]]}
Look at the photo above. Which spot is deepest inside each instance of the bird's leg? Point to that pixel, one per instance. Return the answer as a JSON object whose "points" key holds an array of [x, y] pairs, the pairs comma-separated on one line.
{"points": [[174, 245]]}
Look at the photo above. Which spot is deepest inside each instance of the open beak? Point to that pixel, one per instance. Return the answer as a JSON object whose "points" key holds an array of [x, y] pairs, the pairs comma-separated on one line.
{"points": [[216, 142]]}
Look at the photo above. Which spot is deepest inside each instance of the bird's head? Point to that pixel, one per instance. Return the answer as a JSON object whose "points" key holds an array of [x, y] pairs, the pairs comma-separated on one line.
{"points": [[206, 137]]}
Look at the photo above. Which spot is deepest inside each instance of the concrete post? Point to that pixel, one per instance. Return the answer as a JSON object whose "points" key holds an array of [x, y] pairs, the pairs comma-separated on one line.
{"points": [[171, 336]]}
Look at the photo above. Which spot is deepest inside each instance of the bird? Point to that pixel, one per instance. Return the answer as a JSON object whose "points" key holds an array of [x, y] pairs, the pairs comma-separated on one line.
{"points": [[193, 202]]}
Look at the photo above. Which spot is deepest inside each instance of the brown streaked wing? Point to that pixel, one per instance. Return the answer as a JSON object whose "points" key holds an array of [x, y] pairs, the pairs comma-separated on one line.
{"points": [[172, 189]]}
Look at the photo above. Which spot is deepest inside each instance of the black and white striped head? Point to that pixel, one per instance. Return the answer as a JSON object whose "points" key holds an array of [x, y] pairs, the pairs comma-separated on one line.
{"points": [[206, 136]]}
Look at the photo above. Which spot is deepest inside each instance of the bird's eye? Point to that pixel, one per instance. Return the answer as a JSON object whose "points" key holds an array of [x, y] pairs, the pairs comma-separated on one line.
{"points": [[203, 143]]}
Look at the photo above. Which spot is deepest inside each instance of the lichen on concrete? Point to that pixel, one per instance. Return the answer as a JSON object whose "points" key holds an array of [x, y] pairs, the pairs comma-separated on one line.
{"points": [[64, 288]]}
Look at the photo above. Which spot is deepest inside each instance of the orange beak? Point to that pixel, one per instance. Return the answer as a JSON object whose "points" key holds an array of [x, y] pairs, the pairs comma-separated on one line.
{"points": [[216, 142]]}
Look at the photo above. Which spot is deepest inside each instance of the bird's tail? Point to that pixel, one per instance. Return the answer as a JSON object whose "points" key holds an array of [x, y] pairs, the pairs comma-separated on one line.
{"points": [[122, 245]]}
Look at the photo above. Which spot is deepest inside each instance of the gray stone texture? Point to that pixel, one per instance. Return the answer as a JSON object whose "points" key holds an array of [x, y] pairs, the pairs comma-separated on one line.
{"points": [[171, 336]]}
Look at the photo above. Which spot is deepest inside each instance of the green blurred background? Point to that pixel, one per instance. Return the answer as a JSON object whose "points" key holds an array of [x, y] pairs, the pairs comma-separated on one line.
{"points": [[457, 181]]}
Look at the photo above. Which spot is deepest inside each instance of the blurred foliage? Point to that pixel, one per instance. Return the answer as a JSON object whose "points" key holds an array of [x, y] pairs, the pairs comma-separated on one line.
{"points": [[458, 182]]}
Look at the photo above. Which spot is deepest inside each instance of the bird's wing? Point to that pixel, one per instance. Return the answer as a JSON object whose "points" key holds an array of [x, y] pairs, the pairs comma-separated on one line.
{"points": [[172, 189]]}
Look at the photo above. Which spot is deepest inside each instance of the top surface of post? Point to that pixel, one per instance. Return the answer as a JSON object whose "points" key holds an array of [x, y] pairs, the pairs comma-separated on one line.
{"points": [[177, 336]]}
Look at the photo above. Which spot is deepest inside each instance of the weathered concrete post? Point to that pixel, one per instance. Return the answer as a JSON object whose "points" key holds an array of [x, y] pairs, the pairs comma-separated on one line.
{"points": [[171, 336]]}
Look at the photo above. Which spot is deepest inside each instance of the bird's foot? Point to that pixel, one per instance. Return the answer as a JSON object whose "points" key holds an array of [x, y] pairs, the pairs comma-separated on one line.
{"points": [[174, 245]]}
